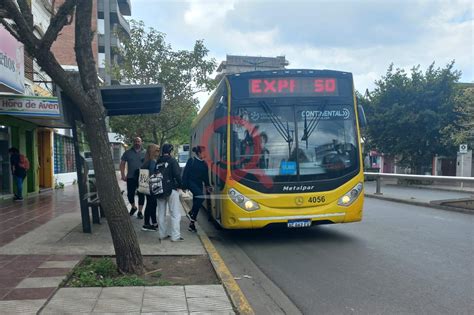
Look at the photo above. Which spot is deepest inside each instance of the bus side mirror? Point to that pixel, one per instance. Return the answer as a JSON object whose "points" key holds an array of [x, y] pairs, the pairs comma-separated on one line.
{"points": [[362, 118]]}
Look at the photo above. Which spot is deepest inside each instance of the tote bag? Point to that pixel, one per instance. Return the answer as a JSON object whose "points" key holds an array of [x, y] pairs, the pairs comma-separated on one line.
{"points": [[144, 181]]}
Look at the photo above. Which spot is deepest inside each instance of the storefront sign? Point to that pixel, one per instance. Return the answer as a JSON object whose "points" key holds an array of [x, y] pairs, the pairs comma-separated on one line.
{"points": [[12, 65], [30, 106]]}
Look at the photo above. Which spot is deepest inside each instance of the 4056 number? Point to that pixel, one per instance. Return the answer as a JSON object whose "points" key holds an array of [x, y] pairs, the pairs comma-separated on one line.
{"points": [[317, 199]]}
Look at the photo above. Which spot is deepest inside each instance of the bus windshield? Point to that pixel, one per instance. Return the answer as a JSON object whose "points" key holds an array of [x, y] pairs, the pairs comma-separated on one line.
{"points": [[294, 140]]}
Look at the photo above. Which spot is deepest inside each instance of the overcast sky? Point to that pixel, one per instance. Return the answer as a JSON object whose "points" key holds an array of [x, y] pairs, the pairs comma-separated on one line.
{"points": [[362, 37]]}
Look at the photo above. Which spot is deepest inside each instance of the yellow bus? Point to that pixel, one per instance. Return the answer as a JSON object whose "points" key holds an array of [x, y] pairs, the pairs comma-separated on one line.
{"points": [[283, 147]]}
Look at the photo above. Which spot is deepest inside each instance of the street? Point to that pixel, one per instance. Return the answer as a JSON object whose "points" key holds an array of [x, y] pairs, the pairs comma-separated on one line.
{"points": [[399, 259]]}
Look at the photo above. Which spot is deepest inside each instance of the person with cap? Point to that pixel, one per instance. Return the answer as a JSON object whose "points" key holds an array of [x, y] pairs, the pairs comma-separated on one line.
{"points": [[169, 167], [134, 158]]}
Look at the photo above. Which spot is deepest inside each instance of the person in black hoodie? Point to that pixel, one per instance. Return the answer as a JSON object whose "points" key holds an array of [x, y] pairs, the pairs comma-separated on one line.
{"points": [[171, 187], [195, 174]]}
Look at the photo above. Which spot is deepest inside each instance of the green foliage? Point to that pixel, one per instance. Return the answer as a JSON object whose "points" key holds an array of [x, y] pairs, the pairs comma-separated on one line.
{"points": [[104, 267], [462, 131], [102, 273], [146, 58], [408, 115]]}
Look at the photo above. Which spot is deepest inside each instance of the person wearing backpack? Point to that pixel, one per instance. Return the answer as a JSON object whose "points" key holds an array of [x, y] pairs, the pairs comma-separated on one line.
{"points": [[152, 153], [19, 166], [171, 181], [195, 174]]}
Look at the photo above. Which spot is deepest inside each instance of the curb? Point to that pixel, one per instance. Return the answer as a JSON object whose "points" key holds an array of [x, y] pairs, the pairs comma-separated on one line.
{"points": [[432, 187], [420, 203], [233, 290]]}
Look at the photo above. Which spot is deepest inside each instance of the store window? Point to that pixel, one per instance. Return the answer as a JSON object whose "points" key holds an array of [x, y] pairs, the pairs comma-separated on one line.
{"points": [[64, 158]]}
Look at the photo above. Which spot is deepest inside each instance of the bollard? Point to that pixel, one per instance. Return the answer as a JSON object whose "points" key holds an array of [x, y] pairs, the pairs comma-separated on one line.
{"points": [[377, 189]]}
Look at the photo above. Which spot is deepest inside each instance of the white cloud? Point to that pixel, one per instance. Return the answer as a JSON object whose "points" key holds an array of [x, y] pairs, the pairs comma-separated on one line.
{"points": [[205, 14], [362, 37]]}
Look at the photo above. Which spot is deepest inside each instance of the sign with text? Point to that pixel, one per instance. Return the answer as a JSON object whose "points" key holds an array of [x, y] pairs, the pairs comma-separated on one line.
{"points": [[281, 87], [12, 66], [30, 106]]}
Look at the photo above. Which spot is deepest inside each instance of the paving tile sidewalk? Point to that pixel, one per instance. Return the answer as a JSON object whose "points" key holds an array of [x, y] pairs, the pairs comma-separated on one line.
{"points": [[27, 281], [41, 241], [193, 299]]}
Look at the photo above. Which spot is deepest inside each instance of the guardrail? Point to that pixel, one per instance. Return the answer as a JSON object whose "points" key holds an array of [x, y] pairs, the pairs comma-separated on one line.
{"points": [[378, 178]]}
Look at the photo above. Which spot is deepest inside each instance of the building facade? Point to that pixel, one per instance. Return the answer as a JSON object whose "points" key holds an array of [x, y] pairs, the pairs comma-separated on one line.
{"points": [[111, 22], [238, 64], [31, 119], [28, 112], [107, 21]]}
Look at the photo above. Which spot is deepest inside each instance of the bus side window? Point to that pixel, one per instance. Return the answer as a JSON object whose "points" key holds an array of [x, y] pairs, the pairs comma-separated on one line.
{"points": [[219, 116]]}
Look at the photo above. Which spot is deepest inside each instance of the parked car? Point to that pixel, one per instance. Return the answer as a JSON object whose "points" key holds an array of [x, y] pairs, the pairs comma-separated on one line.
{"points": [[183, 158]]}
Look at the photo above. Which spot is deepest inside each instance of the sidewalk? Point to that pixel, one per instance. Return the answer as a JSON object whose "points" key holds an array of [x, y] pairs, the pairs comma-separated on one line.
{"points": [[419, 195], [41, 240]]}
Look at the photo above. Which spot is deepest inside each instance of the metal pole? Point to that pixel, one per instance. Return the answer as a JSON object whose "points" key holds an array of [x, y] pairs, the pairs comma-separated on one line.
{"points": [[81, 183], [378, 179]]}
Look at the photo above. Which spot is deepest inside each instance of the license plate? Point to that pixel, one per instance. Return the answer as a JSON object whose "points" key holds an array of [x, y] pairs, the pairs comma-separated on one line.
{"points": [[298, 223]]}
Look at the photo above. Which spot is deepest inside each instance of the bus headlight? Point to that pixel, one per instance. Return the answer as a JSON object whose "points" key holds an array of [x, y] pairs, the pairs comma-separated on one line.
{"points": [[242, 201], [350, 196]]}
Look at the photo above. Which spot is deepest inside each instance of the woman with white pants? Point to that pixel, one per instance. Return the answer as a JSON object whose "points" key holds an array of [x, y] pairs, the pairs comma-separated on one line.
{"points": [[173, 230], [171, 172]]}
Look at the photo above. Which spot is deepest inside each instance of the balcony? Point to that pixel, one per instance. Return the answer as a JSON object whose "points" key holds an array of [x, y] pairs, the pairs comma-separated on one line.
{"points": [[124, 6], [116, 13]]}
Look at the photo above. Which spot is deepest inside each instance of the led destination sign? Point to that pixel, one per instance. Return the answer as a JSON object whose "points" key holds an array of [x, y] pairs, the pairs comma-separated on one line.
{"points": [[281, 87]]}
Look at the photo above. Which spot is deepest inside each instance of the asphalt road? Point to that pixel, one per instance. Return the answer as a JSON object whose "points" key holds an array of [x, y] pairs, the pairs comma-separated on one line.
{"points": [[399, 259]]}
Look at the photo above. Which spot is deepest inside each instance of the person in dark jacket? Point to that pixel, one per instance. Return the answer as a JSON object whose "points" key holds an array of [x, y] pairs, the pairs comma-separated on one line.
{"points": [[19, 173], [152, 154], [170, 197], [195, 174], [132, 159]]}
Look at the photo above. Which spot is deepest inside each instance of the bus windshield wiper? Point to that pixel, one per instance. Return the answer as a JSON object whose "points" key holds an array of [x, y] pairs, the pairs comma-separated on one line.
{"points": [[313, 124], [279, 126]]}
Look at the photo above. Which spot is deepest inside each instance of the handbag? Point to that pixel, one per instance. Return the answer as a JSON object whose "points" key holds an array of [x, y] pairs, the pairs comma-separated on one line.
{"points": [[186, 199], [186, 195], [144, 181]]}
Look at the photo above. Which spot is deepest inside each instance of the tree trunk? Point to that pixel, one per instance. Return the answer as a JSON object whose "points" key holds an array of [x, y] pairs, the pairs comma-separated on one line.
{"points": [[129, 258], [127, 250]]}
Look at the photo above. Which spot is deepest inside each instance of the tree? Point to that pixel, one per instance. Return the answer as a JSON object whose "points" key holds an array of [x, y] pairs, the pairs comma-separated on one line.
{"points": [[146, 58], [408, 113], [86, 96], [462, 131]]}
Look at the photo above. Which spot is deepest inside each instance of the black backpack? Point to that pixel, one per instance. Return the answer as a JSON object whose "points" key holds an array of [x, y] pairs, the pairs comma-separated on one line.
{"points": [[161, 182]]}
